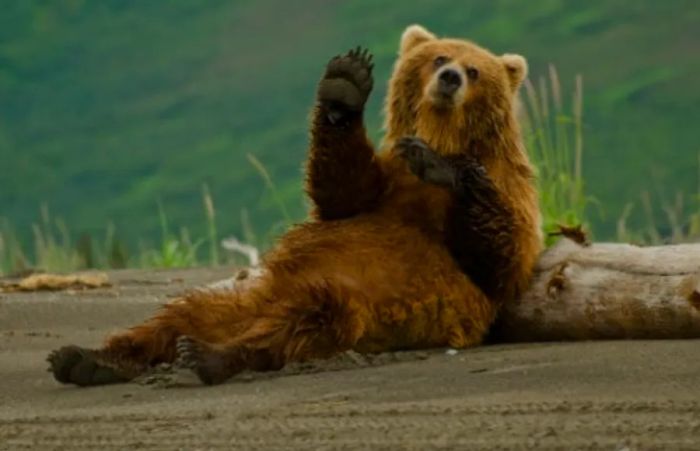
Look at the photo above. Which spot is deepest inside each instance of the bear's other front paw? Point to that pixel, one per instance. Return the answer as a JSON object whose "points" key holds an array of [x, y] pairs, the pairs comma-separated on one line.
{"points": [[346, 84], [472, 180], [425, 162], [83, 367]]}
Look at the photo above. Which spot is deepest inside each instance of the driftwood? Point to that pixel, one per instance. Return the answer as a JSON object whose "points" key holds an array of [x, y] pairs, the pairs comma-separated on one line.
{"points": [[608, 291], [55, 282]]}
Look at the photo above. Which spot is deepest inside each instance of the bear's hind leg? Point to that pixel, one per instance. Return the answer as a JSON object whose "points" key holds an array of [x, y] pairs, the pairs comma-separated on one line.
{"points": [[323, 325], [206, 315], [213, 364]]}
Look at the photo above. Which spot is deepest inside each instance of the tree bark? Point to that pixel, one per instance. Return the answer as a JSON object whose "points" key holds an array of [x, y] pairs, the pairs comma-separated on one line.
{"points": [[607, 291]]}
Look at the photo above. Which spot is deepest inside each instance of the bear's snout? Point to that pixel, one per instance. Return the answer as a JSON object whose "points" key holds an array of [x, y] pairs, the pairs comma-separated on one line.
{"points": [[449, 81]]}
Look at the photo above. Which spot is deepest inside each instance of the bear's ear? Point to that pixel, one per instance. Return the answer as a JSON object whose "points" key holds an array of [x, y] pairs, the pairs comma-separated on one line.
{"points": [[412, 36], [516, 67]]}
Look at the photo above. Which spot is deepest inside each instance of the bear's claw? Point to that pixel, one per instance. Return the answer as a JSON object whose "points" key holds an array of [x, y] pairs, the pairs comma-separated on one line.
{"points": [[346, 84]]}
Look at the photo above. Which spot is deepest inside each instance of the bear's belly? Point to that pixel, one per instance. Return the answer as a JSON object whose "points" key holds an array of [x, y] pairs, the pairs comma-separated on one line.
{"points": [[402, 280], [377, 258]]}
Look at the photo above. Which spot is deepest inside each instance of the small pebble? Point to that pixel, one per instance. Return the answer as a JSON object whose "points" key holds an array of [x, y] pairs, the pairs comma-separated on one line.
{"points": [[451, 352]]}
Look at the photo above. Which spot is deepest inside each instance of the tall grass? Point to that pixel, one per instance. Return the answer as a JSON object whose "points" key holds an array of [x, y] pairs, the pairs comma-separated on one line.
{"points": [[175, 250], [270, 184], [553, 129], [681, 218], [554, 133], [213, 236], [55, 250], [12, 256]]}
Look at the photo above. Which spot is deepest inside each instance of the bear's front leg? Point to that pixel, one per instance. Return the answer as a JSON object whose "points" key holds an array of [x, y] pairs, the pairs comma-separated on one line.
{"points": [[343, 177], [479, 229]]}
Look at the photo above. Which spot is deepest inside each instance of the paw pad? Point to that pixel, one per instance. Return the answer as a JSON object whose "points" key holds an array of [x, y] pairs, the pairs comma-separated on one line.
{"points": [[347, 81]]}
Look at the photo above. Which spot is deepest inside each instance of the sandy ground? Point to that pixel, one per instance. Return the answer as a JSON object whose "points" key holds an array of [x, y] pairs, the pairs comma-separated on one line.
{"points": [[604, 395]]}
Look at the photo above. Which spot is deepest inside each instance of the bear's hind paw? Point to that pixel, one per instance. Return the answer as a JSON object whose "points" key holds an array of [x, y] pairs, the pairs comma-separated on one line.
{"points": [[210, 365], [82, 367]]}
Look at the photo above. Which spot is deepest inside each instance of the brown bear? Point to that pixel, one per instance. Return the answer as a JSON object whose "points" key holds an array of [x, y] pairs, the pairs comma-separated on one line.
{"points": [[413, 247]]}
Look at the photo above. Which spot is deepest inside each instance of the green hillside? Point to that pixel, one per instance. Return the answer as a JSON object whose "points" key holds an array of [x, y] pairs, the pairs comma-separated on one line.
{"points": [[108, 106]]}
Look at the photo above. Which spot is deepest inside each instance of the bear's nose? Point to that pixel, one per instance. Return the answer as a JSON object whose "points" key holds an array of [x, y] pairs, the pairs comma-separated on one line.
{"points": [[449, 81]]}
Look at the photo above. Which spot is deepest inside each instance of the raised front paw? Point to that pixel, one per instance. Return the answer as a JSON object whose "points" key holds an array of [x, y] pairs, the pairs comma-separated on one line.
{"points": [[425, 163], [346, 84]]}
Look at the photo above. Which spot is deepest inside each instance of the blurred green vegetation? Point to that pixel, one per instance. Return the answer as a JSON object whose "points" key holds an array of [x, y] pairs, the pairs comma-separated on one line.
{"points": [[552, 127], [112, 110]]}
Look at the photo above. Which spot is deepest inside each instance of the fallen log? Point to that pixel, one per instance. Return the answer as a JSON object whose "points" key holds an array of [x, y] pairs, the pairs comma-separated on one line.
{"points": [[608, 291]]}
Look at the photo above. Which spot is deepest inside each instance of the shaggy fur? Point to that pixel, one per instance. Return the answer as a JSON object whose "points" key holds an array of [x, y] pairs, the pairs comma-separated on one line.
{"points": [[412, 247]]}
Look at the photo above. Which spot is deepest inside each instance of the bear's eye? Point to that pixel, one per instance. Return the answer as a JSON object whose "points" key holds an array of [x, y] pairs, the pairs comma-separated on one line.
{"points": [[472, 73], [440, 61]]}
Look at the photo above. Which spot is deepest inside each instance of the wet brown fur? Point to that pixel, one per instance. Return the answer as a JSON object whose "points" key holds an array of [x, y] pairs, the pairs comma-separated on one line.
{"points": [[370, 271]]}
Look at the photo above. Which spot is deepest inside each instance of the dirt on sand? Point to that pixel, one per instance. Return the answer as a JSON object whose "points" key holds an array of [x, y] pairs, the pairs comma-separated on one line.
{"points": [[589, 395]]}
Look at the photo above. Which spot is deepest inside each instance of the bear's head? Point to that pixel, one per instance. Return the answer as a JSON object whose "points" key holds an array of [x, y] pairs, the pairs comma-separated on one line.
{"points": [[455, 95]]}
